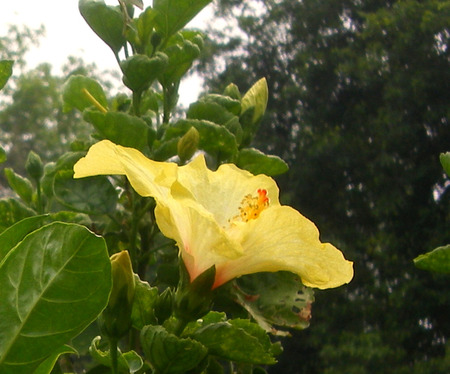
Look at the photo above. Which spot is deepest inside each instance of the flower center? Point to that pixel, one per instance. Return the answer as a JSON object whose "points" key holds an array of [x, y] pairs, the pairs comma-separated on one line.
{"points": [[252, 206]]}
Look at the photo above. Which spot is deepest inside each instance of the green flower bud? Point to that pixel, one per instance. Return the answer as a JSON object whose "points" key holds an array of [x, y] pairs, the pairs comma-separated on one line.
{"points": [[232, 91], [34, 166], [188, 144], [116, 318]]}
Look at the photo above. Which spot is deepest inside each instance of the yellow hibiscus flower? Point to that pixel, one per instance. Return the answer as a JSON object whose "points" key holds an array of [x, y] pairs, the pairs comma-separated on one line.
{"points": [[228, 218]]}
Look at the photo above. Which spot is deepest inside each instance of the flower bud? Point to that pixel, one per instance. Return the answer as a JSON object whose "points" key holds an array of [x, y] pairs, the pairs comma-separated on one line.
{"points": [[116, 318], [188, 144], [34, 166]]}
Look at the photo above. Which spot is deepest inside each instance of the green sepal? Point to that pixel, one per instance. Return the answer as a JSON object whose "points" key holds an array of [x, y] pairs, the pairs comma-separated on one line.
{"points": [[34, 166], [106, 21], [257, 162], [194, 299], [170, 354], [437, 260]]}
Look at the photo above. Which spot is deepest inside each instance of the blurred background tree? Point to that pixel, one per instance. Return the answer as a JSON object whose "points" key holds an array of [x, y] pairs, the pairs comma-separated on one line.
{"points": [[31, 110], [358, 107]]}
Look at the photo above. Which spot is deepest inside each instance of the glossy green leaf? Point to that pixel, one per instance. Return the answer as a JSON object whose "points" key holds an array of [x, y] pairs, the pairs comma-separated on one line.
{"points": [[54, 283], [95, 195], [181, 56], [233, 342], [5, 71], [257, 162], [214, 112], [128, 362], [229, 103], [438, 260], [46, 367], [214, 139], [20, 185], [12, 211], [169, 354], [275, 299], [144, 301], [173, 15], [140, 70], [120, 128], [15, 233], [106, 21], [75, 96], [445, 162]]}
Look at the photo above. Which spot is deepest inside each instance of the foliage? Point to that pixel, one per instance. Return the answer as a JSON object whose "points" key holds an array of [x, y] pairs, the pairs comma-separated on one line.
{"points": [[359, 110], [77, 251]]}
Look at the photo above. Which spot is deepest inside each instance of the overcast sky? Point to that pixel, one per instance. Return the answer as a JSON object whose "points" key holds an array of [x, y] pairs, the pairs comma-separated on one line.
{"points": [[67, 33]]}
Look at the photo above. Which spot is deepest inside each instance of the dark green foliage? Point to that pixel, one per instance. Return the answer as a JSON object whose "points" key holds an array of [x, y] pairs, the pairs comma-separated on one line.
{"points": [[358, 106]]}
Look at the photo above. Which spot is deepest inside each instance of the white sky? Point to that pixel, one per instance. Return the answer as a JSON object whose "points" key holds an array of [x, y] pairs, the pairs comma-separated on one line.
{"points": [[68, 34]]}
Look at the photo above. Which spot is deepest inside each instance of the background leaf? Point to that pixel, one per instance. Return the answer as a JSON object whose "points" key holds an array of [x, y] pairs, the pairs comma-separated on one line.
{"points": [[437, 260], [53, 284], [445, 161], [5, 71]]}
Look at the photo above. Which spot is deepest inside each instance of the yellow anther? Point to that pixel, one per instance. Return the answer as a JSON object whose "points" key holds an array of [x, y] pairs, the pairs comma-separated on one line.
{"points": [[252, 206]]}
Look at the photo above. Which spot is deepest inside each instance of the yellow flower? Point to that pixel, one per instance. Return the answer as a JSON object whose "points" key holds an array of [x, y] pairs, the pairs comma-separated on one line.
{"points": [[228, 218]]}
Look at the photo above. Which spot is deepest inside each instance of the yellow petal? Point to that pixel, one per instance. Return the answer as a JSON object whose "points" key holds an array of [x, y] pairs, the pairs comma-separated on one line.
{"points": [[148, 178], [221, 192], [282, 239]]}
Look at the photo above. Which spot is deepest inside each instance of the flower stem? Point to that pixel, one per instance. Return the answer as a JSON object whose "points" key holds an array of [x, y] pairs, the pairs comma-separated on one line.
{"points": [[113, 355]]}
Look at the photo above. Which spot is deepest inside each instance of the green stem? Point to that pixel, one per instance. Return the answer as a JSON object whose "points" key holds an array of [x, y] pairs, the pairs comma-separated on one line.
{"points": [[39, 197], [113, 355], [137, 103]]}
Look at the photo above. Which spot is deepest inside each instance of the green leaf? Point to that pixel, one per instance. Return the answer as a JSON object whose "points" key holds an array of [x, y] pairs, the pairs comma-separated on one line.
{"points": [[47, 366], [275, 299], [20, 185], [128, 362], [143, 310], [181, 57], [75, 96], [140, 70], [445, 162], [15, 233], [169, 354], [214, 112], [173, 15], [106, 21], [257, 162], [12, 211], [214, 139], [120, 128], [94, 195], [2, 155], [232, 342], [229, 103], [54, 283], [5, 71], [256, 97], [438, 260]]}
